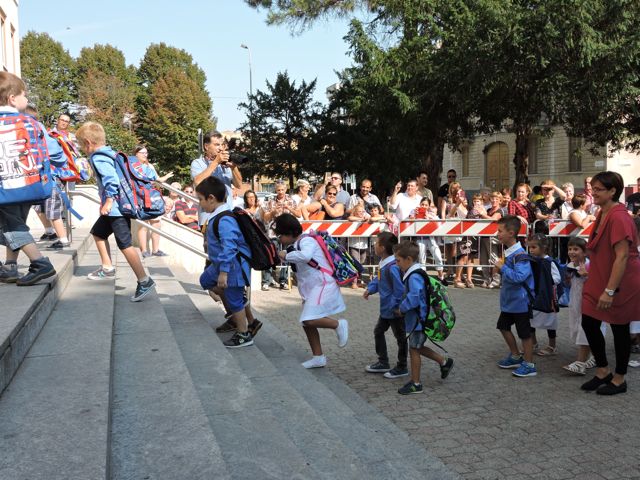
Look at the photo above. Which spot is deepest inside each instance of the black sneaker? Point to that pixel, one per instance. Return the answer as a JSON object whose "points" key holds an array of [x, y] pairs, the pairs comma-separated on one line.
{"points": [[58, 245], [226, 327], [596, 382], [239, 340], [143, 289], [612, 389], [255, 327], [48, 236], [38, 270], [9, 273], [397, 372], [446, 368], [378, 367], [410, 388]]}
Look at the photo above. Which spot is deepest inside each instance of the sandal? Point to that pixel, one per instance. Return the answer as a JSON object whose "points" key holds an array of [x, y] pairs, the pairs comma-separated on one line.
{"points": [[546, 351], [460, 285], [470, 284], [579, 368], [590, 363]]}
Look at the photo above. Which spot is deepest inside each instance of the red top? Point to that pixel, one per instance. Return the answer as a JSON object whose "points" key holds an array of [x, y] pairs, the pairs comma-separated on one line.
{"points": [[617, 226]]}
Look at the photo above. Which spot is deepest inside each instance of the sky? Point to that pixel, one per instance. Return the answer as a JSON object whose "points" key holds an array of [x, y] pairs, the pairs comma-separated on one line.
{"points": [[211, 31]]}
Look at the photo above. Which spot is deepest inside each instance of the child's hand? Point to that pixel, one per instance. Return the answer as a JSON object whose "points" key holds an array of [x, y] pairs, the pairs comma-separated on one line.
{"points": [[222, 280], [105, 209], [282, 254], [397, 312], [365, 295], [582, 270], [499, 264]]}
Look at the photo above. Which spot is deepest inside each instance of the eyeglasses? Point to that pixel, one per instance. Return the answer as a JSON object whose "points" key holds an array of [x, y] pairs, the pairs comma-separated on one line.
{"points": [[597, 189], [331, 194], [336, 178], [143, 152]]}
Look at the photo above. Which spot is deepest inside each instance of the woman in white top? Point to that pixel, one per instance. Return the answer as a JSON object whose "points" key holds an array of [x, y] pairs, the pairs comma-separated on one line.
{"points": [[301, 197], [566, 208]]}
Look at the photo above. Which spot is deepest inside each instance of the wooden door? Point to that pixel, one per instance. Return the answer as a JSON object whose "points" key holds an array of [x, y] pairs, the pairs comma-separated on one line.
{"points": [[497, 166]]}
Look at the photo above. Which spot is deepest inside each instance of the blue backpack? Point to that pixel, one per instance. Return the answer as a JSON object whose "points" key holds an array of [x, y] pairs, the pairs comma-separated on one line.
{"points": [[137, 197], [25, 171]]}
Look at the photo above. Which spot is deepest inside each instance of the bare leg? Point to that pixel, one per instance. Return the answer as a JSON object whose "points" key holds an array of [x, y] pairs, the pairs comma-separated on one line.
{"points": [[511, 342], [314, 339], [155, 237], [240, 320], [58, 226], [45, 221], [11, 255], [142, 238], [134, 261], [103, 250], [527, 346], [583, 353], [416, 364], [432, 355], [30, 250]]}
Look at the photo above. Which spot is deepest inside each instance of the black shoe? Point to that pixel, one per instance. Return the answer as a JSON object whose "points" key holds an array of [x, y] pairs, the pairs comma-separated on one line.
{"points": [[378, 367], [446, 368], [58, 245], [611, 389], [38, 270], [410, 388], [239, 340], [596, 382], [255, 327], [397, 372], [48, 236], [226, 327], [143, 289]]}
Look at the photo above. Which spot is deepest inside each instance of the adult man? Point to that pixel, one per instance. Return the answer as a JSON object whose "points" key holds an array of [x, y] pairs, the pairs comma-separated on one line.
{"points": [[633, 201], [423, 190], [365, 196], [214, 162], [405, 203], [335, 180], [443, 191]]}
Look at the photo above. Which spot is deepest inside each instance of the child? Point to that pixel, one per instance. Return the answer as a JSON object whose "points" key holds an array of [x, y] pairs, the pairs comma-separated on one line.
{"points": [[376, 215], [358, 247], [14, 232], [388, 284], [538, 247], [414, 308], [92, 140], [477, 211], [320, 293], [428, 211], [514, 300], [577, 272]]}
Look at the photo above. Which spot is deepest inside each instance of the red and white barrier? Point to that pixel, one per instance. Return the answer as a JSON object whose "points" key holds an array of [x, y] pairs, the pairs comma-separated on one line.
{"points": [[340, 228], [564, 228], [452, 228]]}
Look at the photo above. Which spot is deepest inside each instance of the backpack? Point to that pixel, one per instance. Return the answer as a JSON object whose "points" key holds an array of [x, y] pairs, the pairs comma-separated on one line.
{"points": [[73, 168], [440, 318], [263, 251], [137, 197], [544, 297], [25, 171], [344, 268]]}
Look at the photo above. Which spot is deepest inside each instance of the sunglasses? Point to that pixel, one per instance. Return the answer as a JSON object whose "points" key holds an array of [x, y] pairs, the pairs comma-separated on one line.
{"points": [[451, 176], [336, 178], [331, 194], [546, 189]]}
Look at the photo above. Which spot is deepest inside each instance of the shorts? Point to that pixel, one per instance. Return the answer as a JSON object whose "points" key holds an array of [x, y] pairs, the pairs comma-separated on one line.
{"points": [[417, 339], [53, 206], [119, 226], [235, 298], [14, 232], [521, 321]]}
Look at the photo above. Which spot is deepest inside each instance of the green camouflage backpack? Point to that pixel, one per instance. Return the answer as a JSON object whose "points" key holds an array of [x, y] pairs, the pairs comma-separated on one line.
{"points": [[440, 315]]}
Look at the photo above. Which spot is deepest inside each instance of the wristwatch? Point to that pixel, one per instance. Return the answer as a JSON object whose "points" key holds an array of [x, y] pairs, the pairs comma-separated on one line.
{"points": [[609, 292]]}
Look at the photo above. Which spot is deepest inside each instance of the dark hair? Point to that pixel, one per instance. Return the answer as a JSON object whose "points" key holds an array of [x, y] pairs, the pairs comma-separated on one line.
{"points": [[578, 200], [32, 110], [212, 186], [511, 223], [244, 197], [542, 240], [206, 139], [138, 148], [452, 170], [610, 180], [636, 220], [407, 249], [536, 190], [287, 224], [579, 242], [388, 240], [421, 172]]}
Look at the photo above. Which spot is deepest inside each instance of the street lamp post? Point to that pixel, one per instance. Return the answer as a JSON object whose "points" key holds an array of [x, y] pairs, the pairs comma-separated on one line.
{"points": [[246, 47]]}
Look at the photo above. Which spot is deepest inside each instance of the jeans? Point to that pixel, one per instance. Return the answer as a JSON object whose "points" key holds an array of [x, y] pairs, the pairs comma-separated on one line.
{"points": [[397, 327]]}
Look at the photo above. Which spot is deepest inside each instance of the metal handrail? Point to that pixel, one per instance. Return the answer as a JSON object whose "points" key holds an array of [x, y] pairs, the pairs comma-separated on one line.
{"points": [[163, 234], [180, 193]]}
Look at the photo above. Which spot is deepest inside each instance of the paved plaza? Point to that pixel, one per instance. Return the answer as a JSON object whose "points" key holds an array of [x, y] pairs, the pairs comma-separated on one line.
{"points": [[481, 421]]}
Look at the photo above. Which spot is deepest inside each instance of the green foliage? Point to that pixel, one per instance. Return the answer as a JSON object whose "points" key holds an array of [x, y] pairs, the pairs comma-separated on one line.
{"points": [[120, 138], [281, 123], [49, 72], [108, 60]]}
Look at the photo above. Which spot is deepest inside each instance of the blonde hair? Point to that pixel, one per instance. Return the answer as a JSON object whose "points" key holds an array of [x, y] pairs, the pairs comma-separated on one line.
{"points": [[454, 187], [525, 185], [476, 196], [92, 132], [548, 181], [10, 84], [496, 195]]}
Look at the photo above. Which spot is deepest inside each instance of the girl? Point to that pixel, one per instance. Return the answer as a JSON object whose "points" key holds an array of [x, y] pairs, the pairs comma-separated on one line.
{"points": [[428, 211], [577, 272], [490, 246], [477, 211], [455, 206], [538, 247], [377, 215], [320, 293], [358, 246]]}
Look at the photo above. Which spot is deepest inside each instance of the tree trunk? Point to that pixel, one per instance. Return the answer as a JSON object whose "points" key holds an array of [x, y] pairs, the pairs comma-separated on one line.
{"points": [[432, 163], [291, 173], [521, 157]]}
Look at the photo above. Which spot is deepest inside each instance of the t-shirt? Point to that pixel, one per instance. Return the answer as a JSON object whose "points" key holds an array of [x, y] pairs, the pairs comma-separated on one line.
{"points": [[225, 174], [182, 206], [405, 205], [369, 201], [443, 191], [633, 203], [425, 192]]}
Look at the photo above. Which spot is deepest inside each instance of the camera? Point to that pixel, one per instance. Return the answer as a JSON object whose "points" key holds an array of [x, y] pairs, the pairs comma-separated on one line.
{"points": [[236, 155]]}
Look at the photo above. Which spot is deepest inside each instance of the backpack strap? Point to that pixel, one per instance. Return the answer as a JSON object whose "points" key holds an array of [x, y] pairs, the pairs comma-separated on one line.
{"points": [[525, 257], [314, 263], [216, 231]]}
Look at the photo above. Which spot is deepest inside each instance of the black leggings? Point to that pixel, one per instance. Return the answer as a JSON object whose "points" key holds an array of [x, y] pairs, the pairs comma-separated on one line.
{"points": [[621, 342], [550, 333]]}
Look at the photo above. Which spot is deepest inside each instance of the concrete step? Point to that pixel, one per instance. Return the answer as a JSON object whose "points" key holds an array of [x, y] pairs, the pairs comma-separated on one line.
{"points": [[26, 309], [159, 429], [54, 414], [342, 435]]}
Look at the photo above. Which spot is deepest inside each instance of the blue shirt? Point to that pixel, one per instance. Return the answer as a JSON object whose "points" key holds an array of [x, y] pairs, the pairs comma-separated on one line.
{"points": [[414, 303], [513, 295], [225, 174], [106, 176], [389, 285]]}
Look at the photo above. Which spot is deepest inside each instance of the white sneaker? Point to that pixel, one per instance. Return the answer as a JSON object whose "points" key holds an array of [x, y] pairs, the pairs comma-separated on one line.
{"points": [[315, 362], [342, 332]]}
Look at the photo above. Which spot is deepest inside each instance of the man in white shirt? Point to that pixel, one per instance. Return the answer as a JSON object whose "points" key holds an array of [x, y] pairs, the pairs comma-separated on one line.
{"points": [[405, 203]]}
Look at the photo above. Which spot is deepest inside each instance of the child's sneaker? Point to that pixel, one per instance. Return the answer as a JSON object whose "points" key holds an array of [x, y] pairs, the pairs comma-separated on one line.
{"points": [[228, 326], [446, 368], [143, 289], [239, 340], [319, 361], [102, 274], [396, 372], [410, 388], [525, 370], [255, 327], [378, 367], [9, 273], [38, 270], [577, 368], [58, 245], [510, 362], [342, 332]]}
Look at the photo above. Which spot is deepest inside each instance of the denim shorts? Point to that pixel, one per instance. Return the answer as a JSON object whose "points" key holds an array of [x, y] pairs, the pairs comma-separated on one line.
{"points": [[235, 298], [417, 339], [14, 232]]}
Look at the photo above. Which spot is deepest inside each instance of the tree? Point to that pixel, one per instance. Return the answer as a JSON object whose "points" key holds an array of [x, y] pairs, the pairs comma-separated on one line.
{"points": [[108, 60], [281, 121], [49, 72], [179, 107]]}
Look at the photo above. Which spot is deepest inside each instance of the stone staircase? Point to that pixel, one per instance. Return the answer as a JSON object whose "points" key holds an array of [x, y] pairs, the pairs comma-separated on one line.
{"points": [[120, 390]]}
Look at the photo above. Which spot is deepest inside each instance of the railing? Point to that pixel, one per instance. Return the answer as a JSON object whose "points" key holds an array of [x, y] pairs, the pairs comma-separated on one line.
{"points": [[179, 192]]}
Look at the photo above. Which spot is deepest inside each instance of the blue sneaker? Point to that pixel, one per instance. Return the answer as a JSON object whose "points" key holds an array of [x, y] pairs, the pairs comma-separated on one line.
{"points": [[510, 362], [525, 370], [143, 289]]}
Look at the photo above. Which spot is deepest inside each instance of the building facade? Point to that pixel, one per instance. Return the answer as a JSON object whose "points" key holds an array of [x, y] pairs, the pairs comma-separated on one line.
{"points": [[9, 36]]}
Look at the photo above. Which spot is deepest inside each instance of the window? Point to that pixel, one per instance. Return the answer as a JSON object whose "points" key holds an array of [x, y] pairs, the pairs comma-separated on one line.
{"points": [[575, 154], [465, 160], [532, 152], [13, 48], [3, 22]]}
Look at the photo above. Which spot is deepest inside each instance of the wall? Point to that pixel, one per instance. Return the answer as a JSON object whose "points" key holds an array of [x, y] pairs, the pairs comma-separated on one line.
{"points": [[9, 37]]}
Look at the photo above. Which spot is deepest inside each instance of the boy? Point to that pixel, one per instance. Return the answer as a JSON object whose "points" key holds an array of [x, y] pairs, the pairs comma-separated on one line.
{"points": [[92, 140], [514, 301], [388, 284], [229, 271], [414, 308], [14, 232]]}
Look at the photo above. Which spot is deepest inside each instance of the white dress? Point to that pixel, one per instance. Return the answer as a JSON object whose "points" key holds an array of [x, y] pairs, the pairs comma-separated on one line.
{"points": [[320, 293], [576, 333]]}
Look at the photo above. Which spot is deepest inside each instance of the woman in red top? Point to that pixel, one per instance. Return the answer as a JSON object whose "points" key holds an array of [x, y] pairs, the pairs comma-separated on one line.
{"points": [[611, 291], [521, 206]]}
